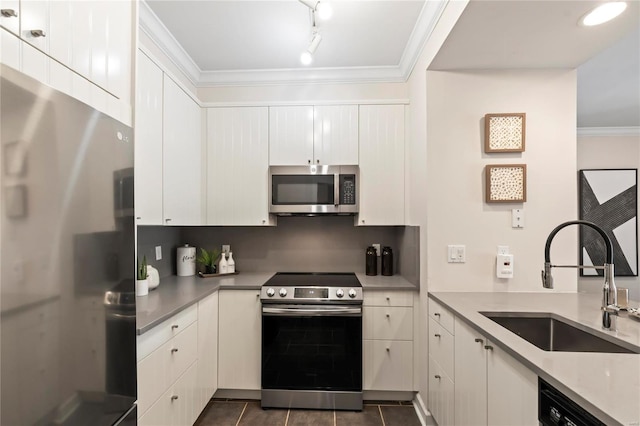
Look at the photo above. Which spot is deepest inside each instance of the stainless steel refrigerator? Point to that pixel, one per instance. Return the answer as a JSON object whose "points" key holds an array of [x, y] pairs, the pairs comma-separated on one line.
{"points": [[67, 301]]}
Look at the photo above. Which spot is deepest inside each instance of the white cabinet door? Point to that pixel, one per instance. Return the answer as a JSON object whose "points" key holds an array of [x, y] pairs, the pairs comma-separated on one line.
{"points": [[512, 390], [34, 23], [184, 398], [290, 135], [207, 350], [387, 323], [240, 329], [440, 395], [148, 143], [237, 166], [387, 365], [11, 22], [9, 49], [336, 134], [181, 162], [120, 45], [381, 165], [61, 41], [81, 36], [471, 376]]}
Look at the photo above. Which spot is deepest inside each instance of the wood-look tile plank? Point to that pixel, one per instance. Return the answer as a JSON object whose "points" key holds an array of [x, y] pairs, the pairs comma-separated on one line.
{"points": [[254, 415], [402, 415], [369, 416], [220, 413], [310, 418]]}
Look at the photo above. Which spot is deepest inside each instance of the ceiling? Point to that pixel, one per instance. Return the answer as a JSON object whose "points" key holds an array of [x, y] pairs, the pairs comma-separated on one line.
{"points": [[230, 42]]}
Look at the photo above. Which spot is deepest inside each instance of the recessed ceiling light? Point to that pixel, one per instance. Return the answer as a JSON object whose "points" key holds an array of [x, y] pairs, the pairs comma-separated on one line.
{"points": [[603, 13]]}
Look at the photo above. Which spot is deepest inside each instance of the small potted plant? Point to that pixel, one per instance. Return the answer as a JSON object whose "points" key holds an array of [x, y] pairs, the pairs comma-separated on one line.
{"points": [[207, 258], [142, 284]]}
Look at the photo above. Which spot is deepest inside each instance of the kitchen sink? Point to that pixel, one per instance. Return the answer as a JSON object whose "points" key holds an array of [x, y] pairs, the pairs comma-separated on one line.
{"points": [[551, 332]]}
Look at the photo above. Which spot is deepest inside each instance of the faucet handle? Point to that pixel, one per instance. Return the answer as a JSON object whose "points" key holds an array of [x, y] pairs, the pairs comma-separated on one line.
{"points": [[547, 278], [612, 309]]}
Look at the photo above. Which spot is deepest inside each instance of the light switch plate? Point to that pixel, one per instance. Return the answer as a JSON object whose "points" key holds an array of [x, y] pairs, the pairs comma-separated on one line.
{"points": [[517, 218], [456, 254], [158, 252], [377, 247]]}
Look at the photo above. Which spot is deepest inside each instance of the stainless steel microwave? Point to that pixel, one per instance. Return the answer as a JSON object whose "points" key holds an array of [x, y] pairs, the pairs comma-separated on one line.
{"points": [[313, 189]]}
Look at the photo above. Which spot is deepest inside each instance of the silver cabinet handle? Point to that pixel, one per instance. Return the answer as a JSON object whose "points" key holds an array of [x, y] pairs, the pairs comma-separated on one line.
{"points": [[437, 376], [362, 220], [388, 316], [174, 397], [478, 340], [38, 33], [8, 13], [174, 326], [317, 161], [168, 220], [388, 350], [436, 314], [264, 221], [308, 161], [437, 335], [174, 350], [488, 347], [387, 297]]}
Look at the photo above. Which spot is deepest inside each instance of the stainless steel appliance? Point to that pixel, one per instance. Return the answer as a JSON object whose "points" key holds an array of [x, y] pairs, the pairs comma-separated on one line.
{"points": [[313, 189], [312, 341], [67, 254]]}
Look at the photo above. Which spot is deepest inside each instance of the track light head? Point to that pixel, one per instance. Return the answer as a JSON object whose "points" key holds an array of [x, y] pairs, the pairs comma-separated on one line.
{"points": [[323, 8]]}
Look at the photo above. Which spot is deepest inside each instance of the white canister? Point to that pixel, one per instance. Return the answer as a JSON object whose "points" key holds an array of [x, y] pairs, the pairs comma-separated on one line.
{"points": [[186, 261]]}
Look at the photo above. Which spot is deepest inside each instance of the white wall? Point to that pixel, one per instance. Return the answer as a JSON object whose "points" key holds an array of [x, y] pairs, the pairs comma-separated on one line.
{"points": [[456, 211], [416, 169], [609, 152]]}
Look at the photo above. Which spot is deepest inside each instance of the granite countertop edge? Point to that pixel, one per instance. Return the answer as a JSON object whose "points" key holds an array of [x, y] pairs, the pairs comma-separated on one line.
{"points": [[547, 365], [175, 294]]}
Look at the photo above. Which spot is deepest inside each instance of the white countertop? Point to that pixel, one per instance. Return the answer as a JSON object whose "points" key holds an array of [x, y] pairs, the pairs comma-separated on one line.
{"points": [[607, 385]]}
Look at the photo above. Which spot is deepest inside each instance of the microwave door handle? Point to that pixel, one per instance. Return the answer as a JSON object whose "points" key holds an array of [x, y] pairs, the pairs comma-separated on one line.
{"points": [[336, 191]]}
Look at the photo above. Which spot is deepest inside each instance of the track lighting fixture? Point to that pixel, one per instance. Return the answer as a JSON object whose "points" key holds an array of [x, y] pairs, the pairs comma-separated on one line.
{"points": [[307, 56], [323, 9]]}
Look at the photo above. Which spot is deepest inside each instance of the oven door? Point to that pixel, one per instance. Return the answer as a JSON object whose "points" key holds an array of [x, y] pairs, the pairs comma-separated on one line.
{"points": [[312, 348]]}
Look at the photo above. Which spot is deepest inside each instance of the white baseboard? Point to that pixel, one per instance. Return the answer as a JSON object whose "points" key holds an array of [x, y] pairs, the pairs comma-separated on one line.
{"points": [[421, 410]]}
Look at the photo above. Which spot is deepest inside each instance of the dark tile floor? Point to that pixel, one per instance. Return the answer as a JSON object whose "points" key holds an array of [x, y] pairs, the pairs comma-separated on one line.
{"points": [[248, 413]]}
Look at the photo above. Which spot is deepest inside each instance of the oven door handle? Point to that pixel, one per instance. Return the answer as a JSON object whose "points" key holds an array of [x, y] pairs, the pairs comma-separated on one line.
{"points": [[312, 312]]}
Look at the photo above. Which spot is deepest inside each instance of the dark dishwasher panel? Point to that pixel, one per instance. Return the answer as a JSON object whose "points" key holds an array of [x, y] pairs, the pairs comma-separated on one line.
{"points": [[555, 408]]}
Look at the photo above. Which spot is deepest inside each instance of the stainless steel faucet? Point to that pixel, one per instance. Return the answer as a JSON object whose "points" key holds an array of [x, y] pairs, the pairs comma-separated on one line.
{"points": [[609, 292]]}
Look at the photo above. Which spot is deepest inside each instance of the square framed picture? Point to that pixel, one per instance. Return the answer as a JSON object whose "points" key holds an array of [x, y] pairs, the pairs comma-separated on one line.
{"points": [[505, 183], [504, 132], [609, 198], [15, 201]]}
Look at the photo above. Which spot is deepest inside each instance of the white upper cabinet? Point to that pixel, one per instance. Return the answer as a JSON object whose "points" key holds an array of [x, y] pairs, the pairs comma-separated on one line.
{"points": [[9, 18], [34, 23], [290, 135], [181, 162], [335, 129], [148, 143], [238, 166], [382, 175], [300, 135]]}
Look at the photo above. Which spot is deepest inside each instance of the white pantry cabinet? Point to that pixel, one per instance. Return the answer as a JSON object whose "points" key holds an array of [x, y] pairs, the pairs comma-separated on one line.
{"points": [[387, 319], [382, 176], [492, 388], [148, 143], [10, 16], [238, 166], [240, 335], [181, 157], [301, 135]]}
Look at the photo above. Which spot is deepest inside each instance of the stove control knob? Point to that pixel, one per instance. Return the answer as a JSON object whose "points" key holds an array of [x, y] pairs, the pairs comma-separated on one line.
{"points": [[340, 293], [352, 293], [283, 292], [271, 292]]}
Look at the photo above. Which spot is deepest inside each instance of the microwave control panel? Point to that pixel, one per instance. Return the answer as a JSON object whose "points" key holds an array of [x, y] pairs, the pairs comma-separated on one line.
{"points": [[347, 189]]}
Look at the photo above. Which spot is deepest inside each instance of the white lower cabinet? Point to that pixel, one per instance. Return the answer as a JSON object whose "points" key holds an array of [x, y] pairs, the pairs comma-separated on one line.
{"points": [[240, 331], [207, 383], [474, 382], [387, 341]]}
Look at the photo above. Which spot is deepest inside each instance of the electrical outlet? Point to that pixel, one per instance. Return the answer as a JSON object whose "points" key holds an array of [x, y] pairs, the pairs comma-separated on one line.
{"points": [[503, 250], [377, 247], [226, 248], [158, 252]]}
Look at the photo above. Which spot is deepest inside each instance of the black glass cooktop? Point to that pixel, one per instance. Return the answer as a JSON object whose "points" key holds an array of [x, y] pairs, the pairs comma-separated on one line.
{"points": [[314, 279]]}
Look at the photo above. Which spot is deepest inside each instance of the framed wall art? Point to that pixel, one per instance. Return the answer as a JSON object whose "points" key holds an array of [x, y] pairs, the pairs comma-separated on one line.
{"points": [[505, 183], [609, 198], [504, 132], [15, 201]]}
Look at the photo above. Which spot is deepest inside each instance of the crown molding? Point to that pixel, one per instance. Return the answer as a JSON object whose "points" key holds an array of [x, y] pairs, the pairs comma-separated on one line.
{"points": [[609, 131], [427, 21], [152, 26]]}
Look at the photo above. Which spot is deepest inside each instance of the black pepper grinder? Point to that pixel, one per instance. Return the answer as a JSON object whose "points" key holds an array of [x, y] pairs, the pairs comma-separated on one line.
{"points": [[372, 261], [387, 261]]}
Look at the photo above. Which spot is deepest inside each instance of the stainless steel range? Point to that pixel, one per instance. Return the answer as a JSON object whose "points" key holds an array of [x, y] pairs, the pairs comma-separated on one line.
{"points": [[312, 341]]}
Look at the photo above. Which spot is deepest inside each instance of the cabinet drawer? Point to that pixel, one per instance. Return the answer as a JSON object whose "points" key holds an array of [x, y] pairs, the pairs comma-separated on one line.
{"points": [[388, 365], [391, 323], [441, 345], [441, 395], [388, 298], [153, 376], [154, 338], [183, 350], [441, 315]]}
